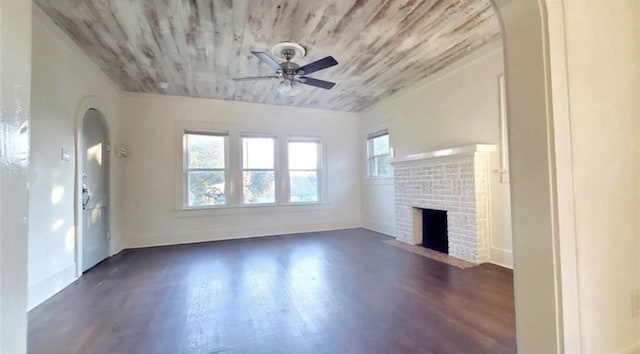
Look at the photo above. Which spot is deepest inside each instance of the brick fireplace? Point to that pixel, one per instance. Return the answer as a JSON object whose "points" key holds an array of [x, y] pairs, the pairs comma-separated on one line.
{"points": [[455, 181]]}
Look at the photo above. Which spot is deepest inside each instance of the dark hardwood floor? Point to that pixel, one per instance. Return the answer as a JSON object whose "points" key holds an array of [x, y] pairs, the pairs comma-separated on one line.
{"points": [[326, 292]]}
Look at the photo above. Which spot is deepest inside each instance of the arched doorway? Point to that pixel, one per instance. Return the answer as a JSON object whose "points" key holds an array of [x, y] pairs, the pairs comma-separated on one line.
{"points": [[539, 163], [93, 190]]}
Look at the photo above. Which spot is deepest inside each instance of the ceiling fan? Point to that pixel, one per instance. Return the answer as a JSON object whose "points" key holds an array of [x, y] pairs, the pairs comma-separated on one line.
{"points": [[289, 73]]}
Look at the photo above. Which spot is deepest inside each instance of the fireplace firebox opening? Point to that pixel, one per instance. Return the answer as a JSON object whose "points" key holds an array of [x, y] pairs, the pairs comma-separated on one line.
{"points": [[434, 230]]}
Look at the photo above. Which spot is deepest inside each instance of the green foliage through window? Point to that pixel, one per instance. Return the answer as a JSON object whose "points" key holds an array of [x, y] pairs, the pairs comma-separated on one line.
{"points": [[258, 177], [379, 152], [205, 170]]}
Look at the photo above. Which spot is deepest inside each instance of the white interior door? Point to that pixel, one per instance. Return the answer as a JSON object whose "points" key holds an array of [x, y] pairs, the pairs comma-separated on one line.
{"points": [[95, 196]]}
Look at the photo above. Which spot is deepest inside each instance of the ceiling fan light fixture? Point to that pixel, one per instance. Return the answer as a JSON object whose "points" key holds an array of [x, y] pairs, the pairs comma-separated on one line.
{"points": [[287, 88], [290, 74], [295, 89]]}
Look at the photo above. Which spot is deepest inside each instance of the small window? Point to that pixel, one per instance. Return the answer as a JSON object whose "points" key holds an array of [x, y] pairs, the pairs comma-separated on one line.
{"points": [[378, 154], [304, 171], [205, 169], [258, 170]]}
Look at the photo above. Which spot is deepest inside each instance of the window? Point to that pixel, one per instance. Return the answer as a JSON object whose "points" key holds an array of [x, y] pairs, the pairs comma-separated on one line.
{"points": [[224, 167], [258, 170], [304, 170], [378, 154], [205, 172]]}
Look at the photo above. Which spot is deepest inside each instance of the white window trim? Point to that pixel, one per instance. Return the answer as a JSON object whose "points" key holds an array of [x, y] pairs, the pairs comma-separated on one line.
{"points": [[320, 163], [369, 148], [276, 167], [233, 173], [186, 169], [181, 127]]}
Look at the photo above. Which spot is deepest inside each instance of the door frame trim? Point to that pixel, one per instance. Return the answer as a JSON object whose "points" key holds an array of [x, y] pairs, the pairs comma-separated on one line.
{"points": [[87, 103]]}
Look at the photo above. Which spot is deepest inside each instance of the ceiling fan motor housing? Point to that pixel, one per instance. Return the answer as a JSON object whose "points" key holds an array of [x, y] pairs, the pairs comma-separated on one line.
{"points": [[289, 72]]}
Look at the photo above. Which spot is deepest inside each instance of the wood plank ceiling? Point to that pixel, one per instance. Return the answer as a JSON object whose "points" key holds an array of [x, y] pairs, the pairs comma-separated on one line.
{"points": [[199, 45]]}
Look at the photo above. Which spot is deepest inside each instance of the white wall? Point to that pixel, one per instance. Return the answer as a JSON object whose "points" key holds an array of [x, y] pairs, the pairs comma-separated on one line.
{"points": [[15, 92], [532, 157], [151, 216], [604, 89], [459, 106], [62, 77], [603, 77]]}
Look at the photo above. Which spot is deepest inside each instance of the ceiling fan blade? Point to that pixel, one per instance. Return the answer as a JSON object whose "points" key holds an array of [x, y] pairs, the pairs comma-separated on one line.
{"points": [[267, 59], [255, 78], [318, 65], [317, 83]]}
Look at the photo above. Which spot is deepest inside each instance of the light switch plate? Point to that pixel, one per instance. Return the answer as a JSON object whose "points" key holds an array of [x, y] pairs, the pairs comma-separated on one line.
{"points": [[66, 154]]}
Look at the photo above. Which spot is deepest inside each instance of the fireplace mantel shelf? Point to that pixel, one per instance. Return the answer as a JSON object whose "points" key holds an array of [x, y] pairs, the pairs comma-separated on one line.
{"points": [[462, 150]]}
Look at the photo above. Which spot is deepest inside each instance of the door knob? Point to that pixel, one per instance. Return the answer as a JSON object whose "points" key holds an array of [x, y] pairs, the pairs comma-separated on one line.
{"points": [[86, 196]]}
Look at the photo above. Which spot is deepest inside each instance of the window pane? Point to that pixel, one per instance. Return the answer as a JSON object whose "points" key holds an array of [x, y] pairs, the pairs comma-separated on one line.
{"points": [[258, 153], [303, 155], [258, 187], [205, 151], [381, 145], [206, 188], [304, 186], [380, 166]]}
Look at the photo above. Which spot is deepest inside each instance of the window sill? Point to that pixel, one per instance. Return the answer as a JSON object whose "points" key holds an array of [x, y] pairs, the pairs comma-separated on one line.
{"points": [[250, 209]]}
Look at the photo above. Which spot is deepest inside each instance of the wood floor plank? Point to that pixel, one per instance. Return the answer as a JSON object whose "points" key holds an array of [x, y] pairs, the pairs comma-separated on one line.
{"points": [[327, 292]]}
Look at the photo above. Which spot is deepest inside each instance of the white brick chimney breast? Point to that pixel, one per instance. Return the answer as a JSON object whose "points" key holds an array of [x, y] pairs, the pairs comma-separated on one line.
{"points": [[455, 180]]}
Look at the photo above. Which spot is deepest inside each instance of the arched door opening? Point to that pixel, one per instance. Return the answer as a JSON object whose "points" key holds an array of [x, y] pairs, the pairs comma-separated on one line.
{"points": [[93, 166], [534, 179]]}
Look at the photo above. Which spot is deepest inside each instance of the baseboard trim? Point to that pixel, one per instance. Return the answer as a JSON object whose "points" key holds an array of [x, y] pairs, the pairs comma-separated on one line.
{"points": [[501, 257], [166, 239], [383, 228], [47, 287]]}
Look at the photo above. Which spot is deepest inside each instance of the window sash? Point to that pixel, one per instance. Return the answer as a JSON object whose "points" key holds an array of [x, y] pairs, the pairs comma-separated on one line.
{"points": [[380, 155], [206, 133], [187, 152], [187, 184], [370, 147], [376, 165], [317, 170], [375, 159], [205, 170], [224, 170], [318, 189], [258, 169], [377, 134], [245, 151], [274, 190], [313, 140]]}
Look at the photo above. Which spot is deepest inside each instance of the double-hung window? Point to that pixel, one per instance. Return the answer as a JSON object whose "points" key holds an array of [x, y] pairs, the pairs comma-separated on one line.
{"points": [[258, 170], [205, 169], [378, 154], [304, 170]]}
